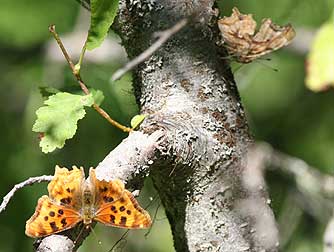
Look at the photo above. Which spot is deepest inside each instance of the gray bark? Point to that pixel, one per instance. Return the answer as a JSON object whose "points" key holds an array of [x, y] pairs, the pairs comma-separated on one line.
{"points": [[194, 141]]}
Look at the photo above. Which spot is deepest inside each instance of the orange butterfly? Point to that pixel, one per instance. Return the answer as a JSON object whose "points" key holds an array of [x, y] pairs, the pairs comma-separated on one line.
{"points": [[73, 199]]}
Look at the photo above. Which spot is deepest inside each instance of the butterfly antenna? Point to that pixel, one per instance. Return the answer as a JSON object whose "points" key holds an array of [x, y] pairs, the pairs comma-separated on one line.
{"points": [[152, 200], [95, 236], [80, 233], [266, 65], [227, 57]]}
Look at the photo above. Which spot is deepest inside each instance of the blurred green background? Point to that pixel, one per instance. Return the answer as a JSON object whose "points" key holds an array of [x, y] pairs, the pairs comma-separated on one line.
{"points": [[280, 110]]}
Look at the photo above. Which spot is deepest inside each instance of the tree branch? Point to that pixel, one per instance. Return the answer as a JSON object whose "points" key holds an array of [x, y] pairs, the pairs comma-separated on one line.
{"points": [[316, 188], [329, 236], [306, 176], [27, 182], [129, 161], [55, 243]]}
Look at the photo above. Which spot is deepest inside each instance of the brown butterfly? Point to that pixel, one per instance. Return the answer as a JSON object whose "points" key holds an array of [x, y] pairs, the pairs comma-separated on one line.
{"points": [[73, 199], [238, 36]]}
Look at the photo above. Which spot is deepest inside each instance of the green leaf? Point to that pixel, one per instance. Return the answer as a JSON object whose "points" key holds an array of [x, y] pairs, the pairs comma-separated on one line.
{"points": [[102, 16], [320, 61], [48, 91], [137, 120], [57, 121]]}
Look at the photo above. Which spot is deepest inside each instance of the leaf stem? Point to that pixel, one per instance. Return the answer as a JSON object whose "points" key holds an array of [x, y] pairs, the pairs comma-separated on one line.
{"points": [[76, 73], [82, 54]]}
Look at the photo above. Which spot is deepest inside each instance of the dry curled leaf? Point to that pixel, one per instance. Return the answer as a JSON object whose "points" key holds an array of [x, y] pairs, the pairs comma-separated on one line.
{"points": [[238, 36]]}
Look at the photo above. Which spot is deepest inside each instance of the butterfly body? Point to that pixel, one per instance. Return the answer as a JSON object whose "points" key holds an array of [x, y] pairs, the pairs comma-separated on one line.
{"points": [[88, 204], [73, 199]]}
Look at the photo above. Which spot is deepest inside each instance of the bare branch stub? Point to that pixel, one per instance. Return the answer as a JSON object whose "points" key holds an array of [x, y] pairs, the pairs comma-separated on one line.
{"points": [[131, 160], [163, 37]]}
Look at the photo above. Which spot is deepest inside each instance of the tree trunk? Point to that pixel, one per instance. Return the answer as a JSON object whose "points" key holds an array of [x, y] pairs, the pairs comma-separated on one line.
{"points": [[189, 93]]}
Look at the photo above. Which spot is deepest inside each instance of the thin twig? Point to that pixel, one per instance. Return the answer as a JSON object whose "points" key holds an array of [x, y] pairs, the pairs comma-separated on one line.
{"points": [[76, 73], [154, 219], [163, 37], [29, 181], [119, 240]]}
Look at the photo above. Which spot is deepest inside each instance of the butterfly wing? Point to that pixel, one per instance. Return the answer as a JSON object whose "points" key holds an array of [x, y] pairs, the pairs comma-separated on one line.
{"points": [[65, 187], [105, 191], [124, 212], [60, 210], [238, 34], [50, 218], [116, 206]]}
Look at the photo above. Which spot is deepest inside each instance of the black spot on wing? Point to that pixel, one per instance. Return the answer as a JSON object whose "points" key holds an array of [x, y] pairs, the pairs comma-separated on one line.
{"points": [[123, 220], [46, 218], [63, 222], [52, 214], [107, 199], [67, 200], [53, 226], [122, 209], [113, 208], [128, 212], [112, 218]]}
